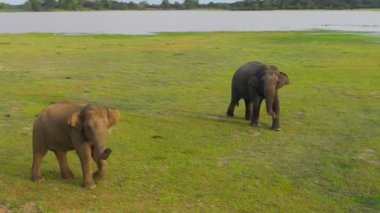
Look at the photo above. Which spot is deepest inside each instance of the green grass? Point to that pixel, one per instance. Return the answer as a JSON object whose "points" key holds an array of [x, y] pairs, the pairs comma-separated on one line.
{"points": [[177, 86]]}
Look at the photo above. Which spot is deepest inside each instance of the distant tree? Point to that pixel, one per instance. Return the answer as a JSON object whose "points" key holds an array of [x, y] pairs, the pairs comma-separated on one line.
{"points": [[374, 3], [3, 6], [191, 4], [247, 5], [177, 5], [105, 4], [211, 4], [132, 5], [69, 4], [284, 4], [305, 4], [37, 5], [88, 4], [221, 5], [61, 3], [34, 5], [325, 4], [49, 4], [116, 5], [165, 4], [354, 3], [267, 4], [97, 5], [142, 5]]}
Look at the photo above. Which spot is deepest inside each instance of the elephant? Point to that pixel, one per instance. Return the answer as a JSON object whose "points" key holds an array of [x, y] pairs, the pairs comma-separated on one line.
{"points": [[70, 125], [254, 82]]}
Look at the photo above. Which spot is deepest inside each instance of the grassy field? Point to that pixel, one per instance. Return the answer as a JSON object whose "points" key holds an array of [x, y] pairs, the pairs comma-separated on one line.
{"points": [[175, 150]]}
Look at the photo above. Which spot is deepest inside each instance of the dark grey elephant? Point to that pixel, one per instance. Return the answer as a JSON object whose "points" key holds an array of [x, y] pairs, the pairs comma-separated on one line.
{"points": [[254, 82]]}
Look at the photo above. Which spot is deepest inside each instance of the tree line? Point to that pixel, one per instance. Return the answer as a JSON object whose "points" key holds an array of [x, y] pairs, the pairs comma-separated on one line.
{"points": [[47, 5]]}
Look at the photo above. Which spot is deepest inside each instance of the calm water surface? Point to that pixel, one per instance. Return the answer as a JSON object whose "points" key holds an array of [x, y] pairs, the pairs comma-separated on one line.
{"points": [[144, 22]]}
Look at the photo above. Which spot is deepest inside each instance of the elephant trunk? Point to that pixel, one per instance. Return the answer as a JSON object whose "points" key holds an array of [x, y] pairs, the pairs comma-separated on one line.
{"points": [[101, 152], [270, 93]]}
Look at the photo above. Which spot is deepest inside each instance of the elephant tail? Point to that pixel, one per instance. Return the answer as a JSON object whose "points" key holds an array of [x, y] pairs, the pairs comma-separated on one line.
{"points": [[234, 102], [235, 96]]}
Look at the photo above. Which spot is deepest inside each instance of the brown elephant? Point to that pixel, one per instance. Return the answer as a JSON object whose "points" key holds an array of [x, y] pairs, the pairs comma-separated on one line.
{"points": [[254, 82], [70, 125]]}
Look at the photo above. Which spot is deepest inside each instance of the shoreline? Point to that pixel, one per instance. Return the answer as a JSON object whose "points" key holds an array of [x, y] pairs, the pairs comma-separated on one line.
{"points": [[313, 31]]}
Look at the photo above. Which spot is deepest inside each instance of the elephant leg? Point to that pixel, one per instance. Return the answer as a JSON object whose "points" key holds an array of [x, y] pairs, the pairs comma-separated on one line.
{"points": [[85, 156], [66, 173], [36, 166], [101, 166], [83, 150], [276, 120], [247, 109], [231, 108], [39, 151], [256, 103]]}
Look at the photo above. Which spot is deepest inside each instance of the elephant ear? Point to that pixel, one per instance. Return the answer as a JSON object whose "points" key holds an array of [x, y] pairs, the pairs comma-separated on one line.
{"points": [[282, 80], [113, 116], [76, 121]]}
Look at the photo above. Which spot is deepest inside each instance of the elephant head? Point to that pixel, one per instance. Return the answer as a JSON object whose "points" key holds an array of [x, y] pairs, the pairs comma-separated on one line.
{"points": [[93, 121], [266, 85], [272, 81]]}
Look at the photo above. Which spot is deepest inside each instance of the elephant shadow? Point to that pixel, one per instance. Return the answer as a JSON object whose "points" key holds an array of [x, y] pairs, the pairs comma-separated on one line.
{"points": [[212, 117], [218, 118], [18, 168]]}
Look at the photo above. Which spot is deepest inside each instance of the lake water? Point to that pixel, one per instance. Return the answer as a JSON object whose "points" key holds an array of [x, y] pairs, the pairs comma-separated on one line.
{"points": [[144, 22]]}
